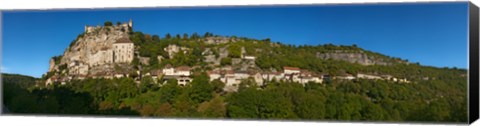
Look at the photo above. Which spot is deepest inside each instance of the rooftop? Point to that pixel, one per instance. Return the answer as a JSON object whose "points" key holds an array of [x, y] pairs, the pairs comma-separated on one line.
{"points": [[290, 68], [124, 40], [183, 68]]}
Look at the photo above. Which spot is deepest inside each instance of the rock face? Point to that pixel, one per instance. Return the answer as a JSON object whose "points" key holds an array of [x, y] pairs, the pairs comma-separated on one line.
{"points": [[98, 50], [174, 49], [352, 57], [52, 65], [219, 40]]}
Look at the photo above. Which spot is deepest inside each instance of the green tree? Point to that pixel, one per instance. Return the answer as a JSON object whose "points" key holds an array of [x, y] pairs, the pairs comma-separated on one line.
{"points": [[217, 85], [309, 106], [108, 23], [201, 89], [153, 61], [170, 91], [226, 61], [168, 36], [156, 38], [234, 51], [214, 108], [185, 36], [146, 84]]}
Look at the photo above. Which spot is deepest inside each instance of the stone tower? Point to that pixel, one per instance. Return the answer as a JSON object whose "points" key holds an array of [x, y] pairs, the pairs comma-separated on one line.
{"points": [[130, 23]]}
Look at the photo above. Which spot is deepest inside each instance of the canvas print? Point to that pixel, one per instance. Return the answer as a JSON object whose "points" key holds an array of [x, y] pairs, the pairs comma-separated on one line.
{"points": [[403, 62]]}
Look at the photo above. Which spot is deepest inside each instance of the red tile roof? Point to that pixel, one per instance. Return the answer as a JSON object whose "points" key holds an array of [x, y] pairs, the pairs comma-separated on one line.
{"points": [[290, 68], [229, 72], [213, 72], [183, 68], [168, 66]]}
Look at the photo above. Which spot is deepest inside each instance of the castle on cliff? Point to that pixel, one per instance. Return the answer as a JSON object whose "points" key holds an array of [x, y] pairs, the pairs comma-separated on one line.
{"points": [[94, 53]]}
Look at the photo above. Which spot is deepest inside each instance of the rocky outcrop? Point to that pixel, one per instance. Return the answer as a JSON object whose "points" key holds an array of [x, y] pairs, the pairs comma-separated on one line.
{"points": [[219, 40], [352, 57], [51, 64], [174, 49], [95, 52]]}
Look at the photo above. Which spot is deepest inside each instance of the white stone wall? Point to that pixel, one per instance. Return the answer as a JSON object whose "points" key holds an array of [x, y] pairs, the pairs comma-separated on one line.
{"points": [[258, 78], [214, 76], [241, 75], [184, 80], [291, 71], [183, 73], [366, 76], [249, 57], [230, 81], [123, 52], [168, 71]]}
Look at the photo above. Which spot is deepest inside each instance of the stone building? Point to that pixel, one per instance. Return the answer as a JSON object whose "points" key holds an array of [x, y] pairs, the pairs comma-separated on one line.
{"points": [[168, 70], [94, 52], [123, 50], [183, 71], [125, 26], [367, 76], [182, 74], [291, 70]]}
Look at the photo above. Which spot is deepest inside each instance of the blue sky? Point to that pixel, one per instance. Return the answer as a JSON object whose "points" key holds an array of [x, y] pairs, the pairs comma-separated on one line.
{"points": [[433, 34]]}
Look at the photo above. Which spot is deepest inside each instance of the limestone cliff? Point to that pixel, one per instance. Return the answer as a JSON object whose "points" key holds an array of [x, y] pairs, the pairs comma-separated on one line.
{"points": [[359, 57], [93, 51]]}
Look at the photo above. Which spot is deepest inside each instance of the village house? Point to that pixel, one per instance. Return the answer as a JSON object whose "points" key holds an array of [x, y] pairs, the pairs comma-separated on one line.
{"points": [[230, 79], [269, 76], [155, 75], [249, 57], [233, 78], [297, 75], [168, 70], [291, 70], [303, 79], [258, 78], [181, 73], [404, 80], [214, 75], [225, 76], [366, 76], [241, 75], [346, 77], [123, 50]]}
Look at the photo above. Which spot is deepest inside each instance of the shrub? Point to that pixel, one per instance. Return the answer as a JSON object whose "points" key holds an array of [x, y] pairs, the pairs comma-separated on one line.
{"points": [[108, 23]]}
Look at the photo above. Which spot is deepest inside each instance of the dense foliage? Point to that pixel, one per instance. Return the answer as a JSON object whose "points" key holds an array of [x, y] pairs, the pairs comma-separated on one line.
{"points": [[440, 97], [438, 100]]}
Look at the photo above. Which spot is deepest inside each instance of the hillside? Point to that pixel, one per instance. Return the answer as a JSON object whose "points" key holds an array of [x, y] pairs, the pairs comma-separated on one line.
{"points": [[110, 71], [92, 54]]}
